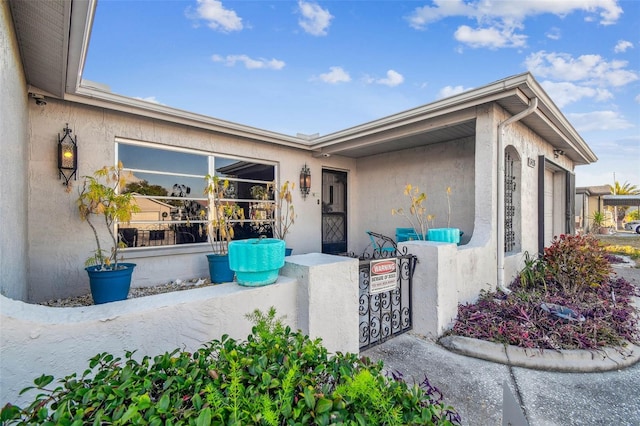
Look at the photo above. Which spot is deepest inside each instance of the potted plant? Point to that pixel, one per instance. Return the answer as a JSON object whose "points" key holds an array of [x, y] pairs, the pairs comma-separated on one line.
{"points": [[101, 197], [598, 221], [222, 217], [417, 215], [286, 212], [261, 210], [257, 261], [448, 234], [420, 220]]}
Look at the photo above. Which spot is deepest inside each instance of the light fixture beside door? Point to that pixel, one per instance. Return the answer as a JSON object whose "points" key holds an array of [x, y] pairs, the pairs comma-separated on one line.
{"points": [[305, 181], [67, 156]]}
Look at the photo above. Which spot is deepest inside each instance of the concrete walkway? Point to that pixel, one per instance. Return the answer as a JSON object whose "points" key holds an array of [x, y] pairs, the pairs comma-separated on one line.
{"points": [[474, 387]]}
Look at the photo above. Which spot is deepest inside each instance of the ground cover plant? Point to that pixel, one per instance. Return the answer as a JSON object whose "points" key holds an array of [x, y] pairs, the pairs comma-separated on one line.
{"points": [[566, 299], [275, 377], [628, 246]]}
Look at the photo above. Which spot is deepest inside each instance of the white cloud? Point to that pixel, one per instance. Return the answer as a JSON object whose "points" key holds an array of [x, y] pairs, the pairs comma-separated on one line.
{"points": [[637, 99], [598, 120], [425, 15], [554, 33], [497, 21], [335, 75], [392, 79], [564, 93], [622, 46], [249, 63], [511, 12], [589, 69], [492, 37], [218, 18], [315, 20], [447, 91]]}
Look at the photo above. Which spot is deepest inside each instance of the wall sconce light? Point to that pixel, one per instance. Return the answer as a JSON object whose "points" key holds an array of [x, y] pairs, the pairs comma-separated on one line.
{"points": [[557, 153], [305, 181], [67, 156]]}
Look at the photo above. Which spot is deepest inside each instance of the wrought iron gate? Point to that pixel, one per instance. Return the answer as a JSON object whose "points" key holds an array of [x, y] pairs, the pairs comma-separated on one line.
{"points": [[388, 313]]}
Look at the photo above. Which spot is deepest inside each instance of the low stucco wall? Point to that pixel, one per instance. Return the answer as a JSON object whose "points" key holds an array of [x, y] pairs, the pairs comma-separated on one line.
{"points": [[37, 339], [446, 275]]}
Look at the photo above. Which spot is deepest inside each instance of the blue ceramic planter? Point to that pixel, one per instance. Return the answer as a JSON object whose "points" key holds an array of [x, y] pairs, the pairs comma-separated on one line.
{"points": [[256, 261], [446, 235], [111, 285], [219, 270]]}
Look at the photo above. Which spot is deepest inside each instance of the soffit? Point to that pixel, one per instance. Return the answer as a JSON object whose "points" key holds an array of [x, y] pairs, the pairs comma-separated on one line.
{"points": [[42, 31]]}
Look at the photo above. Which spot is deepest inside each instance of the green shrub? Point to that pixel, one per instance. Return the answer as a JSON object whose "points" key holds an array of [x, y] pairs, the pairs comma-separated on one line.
{"points": [[276, 377], [576, 263]]}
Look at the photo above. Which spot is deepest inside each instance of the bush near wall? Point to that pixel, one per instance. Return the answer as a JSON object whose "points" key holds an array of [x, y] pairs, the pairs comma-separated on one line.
{"points": [[566, 299], [276, 377]]}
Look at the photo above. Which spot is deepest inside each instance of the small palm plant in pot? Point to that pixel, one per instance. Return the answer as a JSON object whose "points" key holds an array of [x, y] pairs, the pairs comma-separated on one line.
{"points": [[222, 217], [100, 199]]}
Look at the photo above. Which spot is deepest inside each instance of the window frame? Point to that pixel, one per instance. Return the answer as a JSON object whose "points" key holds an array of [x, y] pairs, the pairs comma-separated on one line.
{"points": [[211, 157]]}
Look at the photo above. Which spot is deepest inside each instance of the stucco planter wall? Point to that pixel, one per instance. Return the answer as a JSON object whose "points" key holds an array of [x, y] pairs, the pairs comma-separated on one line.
{"points": [[38, 339]]}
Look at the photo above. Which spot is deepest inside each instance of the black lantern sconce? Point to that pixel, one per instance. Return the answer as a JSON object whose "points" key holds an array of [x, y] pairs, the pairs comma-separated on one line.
{"points": [[305, 181], [67, 156], [557, 153]]}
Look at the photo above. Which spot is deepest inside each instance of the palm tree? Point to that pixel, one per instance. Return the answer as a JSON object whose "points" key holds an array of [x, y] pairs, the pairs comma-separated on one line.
{"points": [[624, 189]]}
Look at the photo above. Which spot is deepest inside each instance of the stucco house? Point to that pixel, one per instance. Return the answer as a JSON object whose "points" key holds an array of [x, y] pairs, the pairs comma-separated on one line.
{"points": [[505, 149]]}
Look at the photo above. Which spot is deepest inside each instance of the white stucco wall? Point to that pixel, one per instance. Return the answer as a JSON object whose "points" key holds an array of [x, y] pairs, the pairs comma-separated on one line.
{"points": [[317, 293], [59, 249], [13, 167], [432, 168]]}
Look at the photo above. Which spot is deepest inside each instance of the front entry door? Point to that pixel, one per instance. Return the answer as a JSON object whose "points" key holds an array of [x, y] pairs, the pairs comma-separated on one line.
{"points": [[334, 212]]}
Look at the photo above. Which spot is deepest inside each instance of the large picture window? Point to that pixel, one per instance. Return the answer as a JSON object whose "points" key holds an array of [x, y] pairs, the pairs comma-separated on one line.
{"points": [[169, 185]]}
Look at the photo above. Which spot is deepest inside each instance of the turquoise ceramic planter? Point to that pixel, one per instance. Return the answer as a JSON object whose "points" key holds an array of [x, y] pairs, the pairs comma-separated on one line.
{"points": [[112, 285], [256, 261], [446, 235], [219, 270]]}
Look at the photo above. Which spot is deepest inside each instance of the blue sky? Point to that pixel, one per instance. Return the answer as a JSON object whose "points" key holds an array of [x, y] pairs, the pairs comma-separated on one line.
{"points": [[319, 67]]}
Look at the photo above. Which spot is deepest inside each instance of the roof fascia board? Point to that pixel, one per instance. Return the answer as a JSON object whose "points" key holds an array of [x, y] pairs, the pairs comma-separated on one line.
{"points": [[65, 48], [145, 109], [80, 25]]}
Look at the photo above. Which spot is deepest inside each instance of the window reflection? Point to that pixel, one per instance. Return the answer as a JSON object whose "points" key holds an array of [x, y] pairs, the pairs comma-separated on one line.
{"points": [[169, 189]]}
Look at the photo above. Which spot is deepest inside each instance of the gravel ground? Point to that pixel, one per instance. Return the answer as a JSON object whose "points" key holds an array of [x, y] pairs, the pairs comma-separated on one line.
{"points": [[178, 285]]}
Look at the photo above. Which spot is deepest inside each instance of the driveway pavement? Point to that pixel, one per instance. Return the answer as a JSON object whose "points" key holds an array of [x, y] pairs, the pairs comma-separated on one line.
{"points": [[475, 387]]}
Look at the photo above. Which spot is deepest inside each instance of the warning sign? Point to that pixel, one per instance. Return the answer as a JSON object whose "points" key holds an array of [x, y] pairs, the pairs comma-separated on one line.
{"points": [[383, 275]]}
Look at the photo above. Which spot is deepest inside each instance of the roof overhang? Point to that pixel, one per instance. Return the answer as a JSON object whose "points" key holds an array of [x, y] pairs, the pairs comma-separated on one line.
{"points": [[54, 37], [621, 200], [454, 118], [594, 190]]}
